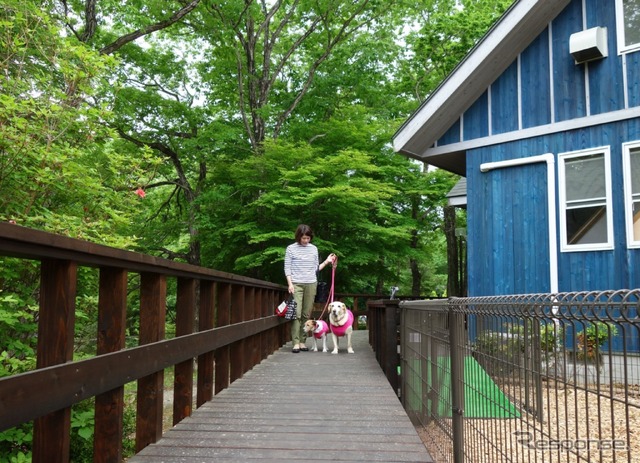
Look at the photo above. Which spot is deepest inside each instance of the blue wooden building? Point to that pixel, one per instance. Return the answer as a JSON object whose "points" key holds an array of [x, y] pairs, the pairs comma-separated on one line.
{"points": [[543, 119]]}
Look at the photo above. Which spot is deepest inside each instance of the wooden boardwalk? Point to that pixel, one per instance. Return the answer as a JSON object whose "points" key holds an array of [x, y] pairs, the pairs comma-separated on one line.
{"points": [[310, 406]]}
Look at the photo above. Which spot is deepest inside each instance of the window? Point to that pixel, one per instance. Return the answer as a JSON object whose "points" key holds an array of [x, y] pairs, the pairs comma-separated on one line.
{"points": [[628, 23], [585, 200], [631, 162]]}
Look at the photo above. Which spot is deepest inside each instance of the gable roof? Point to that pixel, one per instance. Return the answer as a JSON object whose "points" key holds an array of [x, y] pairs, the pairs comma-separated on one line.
{"points": [[517, 28]]}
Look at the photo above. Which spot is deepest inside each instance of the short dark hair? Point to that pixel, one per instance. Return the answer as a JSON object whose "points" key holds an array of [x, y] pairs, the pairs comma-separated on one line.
{"points": [[303, 230]]}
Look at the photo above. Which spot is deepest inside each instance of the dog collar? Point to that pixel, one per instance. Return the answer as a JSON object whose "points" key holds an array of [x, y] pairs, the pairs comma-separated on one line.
{"points": [[342, 320]]}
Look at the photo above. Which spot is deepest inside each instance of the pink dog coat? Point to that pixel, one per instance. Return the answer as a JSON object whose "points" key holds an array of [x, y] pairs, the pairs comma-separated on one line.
{"points": [[321, 329], [342, 329]]}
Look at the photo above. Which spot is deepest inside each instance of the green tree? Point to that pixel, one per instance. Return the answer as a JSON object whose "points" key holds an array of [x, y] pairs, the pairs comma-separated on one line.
{"points": [[57, 171], [444, 32], [213, 80], [200, 85]]}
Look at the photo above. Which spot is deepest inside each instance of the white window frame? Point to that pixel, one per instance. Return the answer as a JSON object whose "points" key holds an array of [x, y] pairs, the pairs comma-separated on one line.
{"points": [[620, 28], [562, 199], [628, 192]]}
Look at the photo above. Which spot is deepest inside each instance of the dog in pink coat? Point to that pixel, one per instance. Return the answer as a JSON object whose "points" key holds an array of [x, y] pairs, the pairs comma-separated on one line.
{"points": [[317, 329], [340, 324]]}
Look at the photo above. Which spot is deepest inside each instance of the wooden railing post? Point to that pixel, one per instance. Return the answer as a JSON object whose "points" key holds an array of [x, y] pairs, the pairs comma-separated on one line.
{"points": [[253, 344], [153, 295], [261, 305], [355, 312], [390, 365], [206, 321], [222, 355], [51, 433], [109, 409], [237, 348], [185, 319]]}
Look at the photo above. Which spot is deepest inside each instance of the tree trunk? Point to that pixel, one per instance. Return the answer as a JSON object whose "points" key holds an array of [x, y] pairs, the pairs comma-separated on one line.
{"points": [[416, 278], [456, 256]]}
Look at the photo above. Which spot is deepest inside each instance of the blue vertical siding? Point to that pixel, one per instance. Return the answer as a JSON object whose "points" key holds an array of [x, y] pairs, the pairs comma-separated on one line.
{"points": [[535, 82], [599, 270], [633, 78], [552, 87], [568, 79], [605, 73], [504, 101], [452, 135], [476, 118], [508, 252], [507, 219], [480, 228]]}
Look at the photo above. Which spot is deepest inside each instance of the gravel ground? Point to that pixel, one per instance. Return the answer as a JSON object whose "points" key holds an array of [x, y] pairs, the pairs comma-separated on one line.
{"points": [[573, 419]]}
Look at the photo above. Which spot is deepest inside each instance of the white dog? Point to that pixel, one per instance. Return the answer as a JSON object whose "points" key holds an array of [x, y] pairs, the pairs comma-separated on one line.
{"points": [[317, 330], [341, 324]]}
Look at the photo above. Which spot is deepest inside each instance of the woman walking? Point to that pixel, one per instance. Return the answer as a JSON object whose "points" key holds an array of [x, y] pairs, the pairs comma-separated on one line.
{"points": [[301, 264]]}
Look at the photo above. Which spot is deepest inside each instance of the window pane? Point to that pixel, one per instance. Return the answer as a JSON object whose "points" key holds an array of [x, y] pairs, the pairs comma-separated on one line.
{"points": [[631, 21], [585, 178], [586, 225], [634, 161]]}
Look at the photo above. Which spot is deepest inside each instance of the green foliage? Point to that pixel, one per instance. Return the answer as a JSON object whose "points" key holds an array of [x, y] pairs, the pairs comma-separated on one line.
{"points": [[55, 159], [82, 426], [18, 311], [353, 200], [595, 334], [15, 444], [447, 30], [590, 340], [499, 352], [234, 137], [129, 427], [551, 337]]}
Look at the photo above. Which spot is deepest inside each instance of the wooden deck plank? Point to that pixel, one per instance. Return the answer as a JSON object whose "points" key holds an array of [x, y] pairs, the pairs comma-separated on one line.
{"points": [[310, 406]]}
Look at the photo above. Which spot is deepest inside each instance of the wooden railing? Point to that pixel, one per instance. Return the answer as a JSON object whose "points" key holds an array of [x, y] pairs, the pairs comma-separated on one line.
{"points": [[383, 336], [224, 322], [384, 319]]}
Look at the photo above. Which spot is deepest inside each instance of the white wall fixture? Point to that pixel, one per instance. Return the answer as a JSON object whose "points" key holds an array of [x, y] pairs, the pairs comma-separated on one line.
{"points": [[589, 45]]}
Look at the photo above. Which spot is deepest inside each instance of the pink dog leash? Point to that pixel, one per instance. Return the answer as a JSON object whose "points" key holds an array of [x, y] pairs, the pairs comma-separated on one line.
{"points": [[332, 288]]}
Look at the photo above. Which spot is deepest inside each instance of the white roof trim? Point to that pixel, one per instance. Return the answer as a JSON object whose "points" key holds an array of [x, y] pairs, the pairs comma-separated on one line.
{"points": [[538, 131]]}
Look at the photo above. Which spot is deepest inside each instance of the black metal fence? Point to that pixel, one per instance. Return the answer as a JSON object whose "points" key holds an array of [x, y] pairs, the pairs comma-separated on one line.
{"points": [[527, 378]]}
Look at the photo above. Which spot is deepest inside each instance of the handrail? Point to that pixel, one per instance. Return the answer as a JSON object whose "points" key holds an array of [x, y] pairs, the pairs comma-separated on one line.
{"points": [[236, 329], [27, 243]]}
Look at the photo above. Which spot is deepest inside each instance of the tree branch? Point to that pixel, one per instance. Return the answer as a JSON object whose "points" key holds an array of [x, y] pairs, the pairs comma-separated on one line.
{"points": [[183, 181], [90, 21], [341, 35], [125, 39]]}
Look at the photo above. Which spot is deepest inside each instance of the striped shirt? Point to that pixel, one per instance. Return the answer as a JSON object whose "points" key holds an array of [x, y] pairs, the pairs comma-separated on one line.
{"points": [[301, 263]]}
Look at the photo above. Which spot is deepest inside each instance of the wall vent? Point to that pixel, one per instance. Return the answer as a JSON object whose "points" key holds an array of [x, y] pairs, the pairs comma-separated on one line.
{"points": [[589, 45]]}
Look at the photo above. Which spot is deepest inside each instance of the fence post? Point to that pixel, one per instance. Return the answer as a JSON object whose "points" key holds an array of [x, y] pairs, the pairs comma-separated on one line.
{"points": [[153, 305], [391, 342], [456, 325], [183, 376], [222, 357], [55, 346], [112, 320], [206, 321], [238, 349]]}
